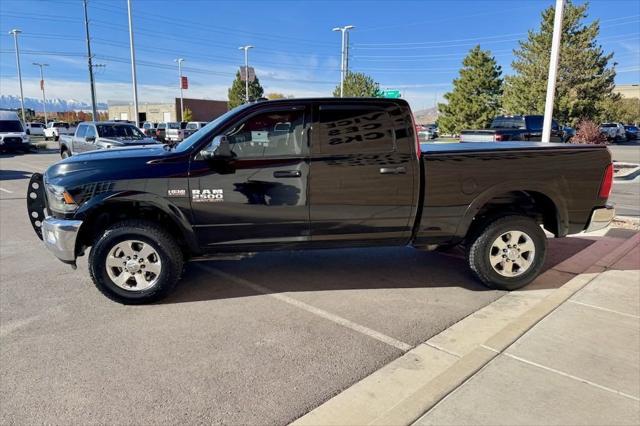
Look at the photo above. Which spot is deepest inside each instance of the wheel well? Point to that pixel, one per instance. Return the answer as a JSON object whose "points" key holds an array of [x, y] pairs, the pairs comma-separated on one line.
{"points": [[528, 203], [95, 223]]}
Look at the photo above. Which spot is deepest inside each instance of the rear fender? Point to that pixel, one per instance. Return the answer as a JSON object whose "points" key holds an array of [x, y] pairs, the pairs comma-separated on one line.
{"points": [[562, 216]]}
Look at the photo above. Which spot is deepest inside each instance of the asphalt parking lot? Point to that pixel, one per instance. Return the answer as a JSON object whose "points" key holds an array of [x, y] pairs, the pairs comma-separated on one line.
{"points": [[257, 341]]}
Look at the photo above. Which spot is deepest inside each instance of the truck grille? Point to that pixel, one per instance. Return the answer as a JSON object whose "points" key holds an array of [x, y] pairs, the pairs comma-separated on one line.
{"points": [[12, 142]]}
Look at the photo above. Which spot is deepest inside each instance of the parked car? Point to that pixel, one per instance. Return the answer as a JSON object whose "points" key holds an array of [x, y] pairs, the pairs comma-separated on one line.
{"points": [[521, 128], [631, 132], [161, 131], [55, 129], [34, 128], [257, 179], [427, 132], [614, 132], [175, 131], [13, 136], [91, 135], [192, 127], [149, 129]]}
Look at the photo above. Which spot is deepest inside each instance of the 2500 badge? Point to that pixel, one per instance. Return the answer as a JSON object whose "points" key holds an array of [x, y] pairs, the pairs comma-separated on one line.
{"points": [[207, 195]]}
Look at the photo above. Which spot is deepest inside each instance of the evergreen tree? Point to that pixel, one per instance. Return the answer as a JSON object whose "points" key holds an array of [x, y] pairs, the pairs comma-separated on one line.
{"points": [[237, 91], [358, 85], [475, 98], [585, 81]]}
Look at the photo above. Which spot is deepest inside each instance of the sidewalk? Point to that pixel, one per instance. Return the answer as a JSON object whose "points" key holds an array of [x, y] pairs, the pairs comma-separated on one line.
{"points": [[579, 365], [563, 350]]}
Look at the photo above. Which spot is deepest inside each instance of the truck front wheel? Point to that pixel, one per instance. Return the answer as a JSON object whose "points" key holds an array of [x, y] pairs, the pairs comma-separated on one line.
{"points": [[135, 262], [508, 253]]}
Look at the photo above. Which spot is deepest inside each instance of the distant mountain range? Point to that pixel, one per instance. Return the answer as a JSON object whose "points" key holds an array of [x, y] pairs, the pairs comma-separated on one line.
{"points": [[53, 105], [426, 116]]}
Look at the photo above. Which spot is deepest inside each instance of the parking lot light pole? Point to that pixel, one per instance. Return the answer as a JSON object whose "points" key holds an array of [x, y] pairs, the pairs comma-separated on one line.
{"points": [[246, 70], [344, 60], [15, 33], [92, 83], [44, 98], [553, 71], [179, 61], [134, 79]]}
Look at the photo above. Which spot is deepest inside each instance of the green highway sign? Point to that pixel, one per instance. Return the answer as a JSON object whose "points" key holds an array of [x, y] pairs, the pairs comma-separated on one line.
{"points": [[389, 94]]}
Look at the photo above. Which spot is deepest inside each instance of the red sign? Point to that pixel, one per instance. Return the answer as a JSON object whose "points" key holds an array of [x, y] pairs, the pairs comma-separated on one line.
{"points": [[41, 84], [184, 83]]}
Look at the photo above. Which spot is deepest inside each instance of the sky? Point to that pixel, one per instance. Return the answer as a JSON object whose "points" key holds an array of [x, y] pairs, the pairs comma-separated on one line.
{"points": [[414, 46]]}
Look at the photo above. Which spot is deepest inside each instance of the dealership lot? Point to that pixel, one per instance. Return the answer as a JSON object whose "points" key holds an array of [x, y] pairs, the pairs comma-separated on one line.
{"points": [[261, 340]]}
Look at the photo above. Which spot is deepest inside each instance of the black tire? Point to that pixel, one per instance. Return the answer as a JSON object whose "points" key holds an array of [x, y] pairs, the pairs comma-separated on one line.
{"points": [[65, 153], [160, 240], [56, 138], [479, 249]]}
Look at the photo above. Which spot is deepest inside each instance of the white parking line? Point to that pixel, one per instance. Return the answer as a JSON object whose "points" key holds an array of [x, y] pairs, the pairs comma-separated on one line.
{"points": [[604, 309], [6, 190], [404, 347]]}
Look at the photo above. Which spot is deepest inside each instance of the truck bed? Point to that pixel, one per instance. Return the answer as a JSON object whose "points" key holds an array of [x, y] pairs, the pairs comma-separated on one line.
{"points": [[459, 178]]}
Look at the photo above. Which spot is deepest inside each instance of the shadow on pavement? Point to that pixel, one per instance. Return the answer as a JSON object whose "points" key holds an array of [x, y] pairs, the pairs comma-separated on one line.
{"points": [[344, 269], [14, 174]]}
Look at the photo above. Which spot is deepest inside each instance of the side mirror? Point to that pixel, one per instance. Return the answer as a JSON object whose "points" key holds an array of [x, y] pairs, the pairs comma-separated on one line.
{"points": [[90, 138], [28, 132], [218, 148]]}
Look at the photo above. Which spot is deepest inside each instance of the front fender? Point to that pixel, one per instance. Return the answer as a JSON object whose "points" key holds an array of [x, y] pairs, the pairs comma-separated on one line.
{"points": [[119, 201]]}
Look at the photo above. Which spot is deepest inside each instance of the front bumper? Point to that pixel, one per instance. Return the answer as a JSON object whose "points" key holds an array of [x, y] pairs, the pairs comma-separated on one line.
{"points": [[600, 218], [59, 236]]}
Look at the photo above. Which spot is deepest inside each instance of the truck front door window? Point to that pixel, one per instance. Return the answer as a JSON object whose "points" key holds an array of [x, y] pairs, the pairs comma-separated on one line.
{"points": [[269, 134]]}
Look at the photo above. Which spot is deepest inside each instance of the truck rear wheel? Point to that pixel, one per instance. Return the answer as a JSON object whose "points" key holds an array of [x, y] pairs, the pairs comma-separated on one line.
{"points": [[135, 262], [508, 253]]}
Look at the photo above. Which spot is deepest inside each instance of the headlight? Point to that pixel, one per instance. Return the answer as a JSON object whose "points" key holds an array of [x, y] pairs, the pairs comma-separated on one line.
{"points": [[59, 199]]}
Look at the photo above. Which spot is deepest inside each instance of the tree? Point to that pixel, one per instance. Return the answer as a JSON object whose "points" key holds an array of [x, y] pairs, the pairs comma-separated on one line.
{"points": [[188, 115], [475, 98], [585, 80], [358, 85], [237, 91], [622, 110], [275, 95], [588, 132]]}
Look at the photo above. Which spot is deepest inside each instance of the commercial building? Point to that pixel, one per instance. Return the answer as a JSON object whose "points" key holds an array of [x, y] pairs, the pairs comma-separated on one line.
{"points": [[629, 91], [201, 110]]}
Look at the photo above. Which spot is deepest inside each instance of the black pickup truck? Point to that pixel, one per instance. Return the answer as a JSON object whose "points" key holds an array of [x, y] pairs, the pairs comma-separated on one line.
{"points": [[314, 173], [521, 128]]}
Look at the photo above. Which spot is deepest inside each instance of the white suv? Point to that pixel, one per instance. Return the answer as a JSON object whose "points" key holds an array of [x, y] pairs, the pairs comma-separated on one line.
{"points": [[13, 136]]}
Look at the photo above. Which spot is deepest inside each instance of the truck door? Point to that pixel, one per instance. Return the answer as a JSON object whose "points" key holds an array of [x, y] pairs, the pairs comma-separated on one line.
{"points": [[77, 140], [363, 174], [259, 196]]}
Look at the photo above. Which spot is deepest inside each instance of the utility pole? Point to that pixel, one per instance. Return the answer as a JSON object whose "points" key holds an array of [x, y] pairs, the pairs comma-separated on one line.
{"points": [[134, 79], [15, 33], [344, 60], [553, 71], [92, 82], [246, 70], [179, 61], [44, 98]]}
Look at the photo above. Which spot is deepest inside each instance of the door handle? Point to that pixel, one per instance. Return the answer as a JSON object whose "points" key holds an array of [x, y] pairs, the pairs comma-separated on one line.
{"points": [[287, 174], [393, 170]]}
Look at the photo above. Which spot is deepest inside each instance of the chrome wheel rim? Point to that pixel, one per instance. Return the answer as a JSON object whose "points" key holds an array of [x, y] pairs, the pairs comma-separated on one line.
{"points": [[133, 265], [512, 254]]}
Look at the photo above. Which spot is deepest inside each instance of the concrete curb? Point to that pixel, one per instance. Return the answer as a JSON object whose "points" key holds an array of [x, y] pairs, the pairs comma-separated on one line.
{"points": [[403, 390]]}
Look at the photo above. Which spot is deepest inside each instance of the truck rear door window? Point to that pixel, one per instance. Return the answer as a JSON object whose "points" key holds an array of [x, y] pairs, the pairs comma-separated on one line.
{"points": [[349, 129]]}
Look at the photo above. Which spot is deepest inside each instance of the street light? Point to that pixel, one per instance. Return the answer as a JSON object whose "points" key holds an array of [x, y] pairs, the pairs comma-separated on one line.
{"points": [[134, 79], [179, 61], [15, 33], [246, 70], [44, 98], [344, 57]]}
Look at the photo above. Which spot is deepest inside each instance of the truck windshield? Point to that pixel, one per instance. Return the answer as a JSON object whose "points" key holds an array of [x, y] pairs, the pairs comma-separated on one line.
{"points": [[119, 131], [10, 126], [192, 140]]}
